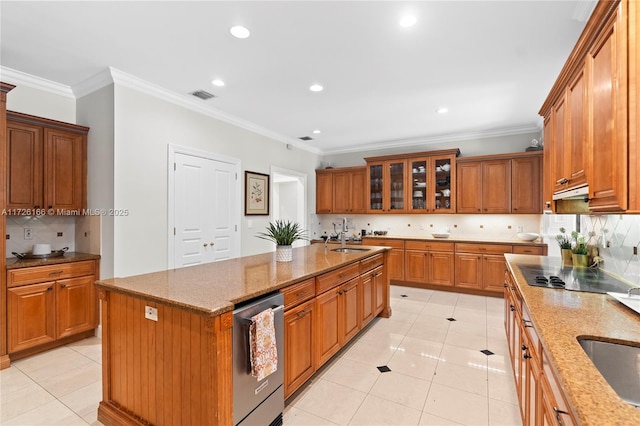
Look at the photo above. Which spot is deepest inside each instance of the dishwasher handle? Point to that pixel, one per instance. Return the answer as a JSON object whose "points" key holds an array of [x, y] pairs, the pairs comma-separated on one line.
{"points": [[275, 309]]}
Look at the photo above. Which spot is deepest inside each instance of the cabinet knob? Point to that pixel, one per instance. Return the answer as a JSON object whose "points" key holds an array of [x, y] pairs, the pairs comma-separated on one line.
{"points": [[524, 347], [63, 286], [49, 206], [526, 356], [37, 207], [206, 245], [211, 244], [50, 288]]}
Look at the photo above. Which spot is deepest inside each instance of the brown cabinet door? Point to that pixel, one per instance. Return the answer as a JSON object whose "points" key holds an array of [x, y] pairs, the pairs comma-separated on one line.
{"points": [[324, 192], [525, 185], [547, 164], [378, 287], [359, 196], [415, 269], [327, 326], [76, 307], [376, 184], [24, 166], [496, 186], [396, 264], [341, 192], [441, 267], [367, 297], [419, 184], [493, 269], [578, 128], [559, 176], [64, 170], [350, 315], [298, 346], [31, 315], [469, 189], [443, 186], [468, 270], [607, 61]]}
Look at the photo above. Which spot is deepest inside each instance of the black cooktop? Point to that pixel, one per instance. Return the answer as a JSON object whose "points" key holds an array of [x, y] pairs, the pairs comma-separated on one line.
{"points": [[591, 280]]}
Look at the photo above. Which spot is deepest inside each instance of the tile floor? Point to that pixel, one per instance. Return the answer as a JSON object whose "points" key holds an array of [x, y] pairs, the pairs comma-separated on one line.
{"points": [[438, 374]]}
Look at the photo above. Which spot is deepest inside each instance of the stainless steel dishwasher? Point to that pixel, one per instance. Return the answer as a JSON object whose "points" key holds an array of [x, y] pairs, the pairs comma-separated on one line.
{"points": [[257, 403]]}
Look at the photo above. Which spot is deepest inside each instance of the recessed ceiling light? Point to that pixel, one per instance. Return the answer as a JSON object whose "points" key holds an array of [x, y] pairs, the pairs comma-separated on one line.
{"points": [[317, 131], [239, 32], [217, 82], [442, 110], [316, 88], [407, 21]]}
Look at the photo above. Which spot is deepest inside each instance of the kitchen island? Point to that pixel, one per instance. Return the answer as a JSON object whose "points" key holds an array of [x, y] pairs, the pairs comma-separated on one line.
{"points": [[167, 336], [545, 349]]}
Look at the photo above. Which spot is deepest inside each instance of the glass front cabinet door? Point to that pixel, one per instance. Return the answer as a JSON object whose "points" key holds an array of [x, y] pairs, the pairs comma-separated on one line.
{"points": [[432, 185], [420, 189], [443, 195], [387, 186]]}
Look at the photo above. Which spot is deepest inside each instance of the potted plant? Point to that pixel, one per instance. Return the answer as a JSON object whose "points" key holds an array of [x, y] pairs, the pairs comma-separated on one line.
{"points": [[283, 233], [580, 252], [564, 241]]}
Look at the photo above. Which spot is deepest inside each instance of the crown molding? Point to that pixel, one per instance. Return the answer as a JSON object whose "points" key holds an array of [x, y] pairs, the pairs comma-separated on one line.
{"points": [[19, 78], [430, 140]]}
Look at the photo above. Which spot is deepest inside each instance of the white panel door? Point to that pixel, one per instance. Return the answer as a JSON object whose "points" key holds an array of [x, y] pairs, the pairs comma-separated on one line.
{"points": [[204, 212]]}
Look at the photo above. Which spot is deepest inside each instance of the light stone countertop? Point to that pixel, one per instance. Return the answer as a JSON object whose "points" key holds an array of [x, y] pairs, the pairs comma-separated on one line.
{"points": [[214, 288], [15, 263], [560, 317]]}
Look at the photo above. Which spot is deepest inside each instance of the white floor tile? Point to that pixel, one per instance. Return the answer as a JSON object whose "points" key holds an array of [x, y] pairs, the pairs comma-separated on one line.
{"points": [[466, 340], [84, 401], [295, 417], [503, 414], [22, 401], [469, 379], [70, 381], [424, 348], [378, 411], [353, 374], [417, 366], [446, 402], [401, 389], [502, 387], [463, 357], [49, 414], [431, 420], [331, 401]]}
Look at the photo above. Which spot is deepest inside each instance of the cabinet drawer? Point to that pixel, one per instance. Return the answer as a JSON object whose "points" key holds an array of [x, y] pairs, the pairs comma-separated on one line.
{"points": [[429, 246], [331, 279], [383, 242], [483, 248], [298, 293], [370, 263], [528, 250], [38, 274]]}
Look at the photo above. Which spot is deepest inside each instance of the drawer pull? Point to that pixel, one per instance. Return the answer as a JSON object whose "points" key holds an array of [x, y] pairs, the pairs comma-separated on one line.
{"points": [[526, 323], [50, 289], [558, 413], [512, 308], [301, 293], [52, 273], [524, 347], [303, 313], [526, 356]]}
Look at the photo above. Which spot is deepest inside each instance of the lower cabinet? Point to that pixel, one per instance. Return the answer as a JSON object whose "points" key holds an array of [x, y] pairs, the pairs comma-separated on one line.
{"points": [[481, 266], [430, 263], [50, 303], [395, 260], [299, 332], [542, 401]]}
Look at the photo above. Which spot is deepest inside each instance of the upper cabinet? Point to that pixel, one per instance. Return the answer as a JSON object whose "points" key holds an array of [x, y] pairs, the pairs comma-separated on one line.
{"points": [[421, 182], [341, 190], [508, 183], [591, 114], [46, 165]]}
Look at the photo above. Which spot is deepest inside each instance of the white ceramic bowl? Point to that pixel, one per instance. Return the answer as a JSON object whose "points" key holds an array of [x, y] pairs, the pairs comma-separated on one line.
{"points": [[528, 236], [446, 167], [41, 249], [440, 234]]}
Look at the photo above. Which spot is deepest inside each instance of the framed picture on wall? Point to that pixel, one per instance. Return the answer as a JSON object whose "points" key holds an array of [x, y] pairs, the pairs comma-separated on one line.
{"points": [[256, 194]]}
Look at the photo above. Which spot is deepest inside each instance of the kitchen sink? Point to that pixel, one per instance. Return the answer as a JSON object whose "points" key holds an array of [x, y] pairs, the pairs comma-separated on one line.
{"points": [[619, 364], [350, 250]]}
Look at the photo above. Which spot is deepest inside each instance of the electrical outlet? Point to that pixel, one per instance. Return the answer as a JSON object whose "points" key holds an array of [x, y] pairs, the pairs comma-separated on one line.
{"points": [[519, 228], [28, 233], [151, 313]]}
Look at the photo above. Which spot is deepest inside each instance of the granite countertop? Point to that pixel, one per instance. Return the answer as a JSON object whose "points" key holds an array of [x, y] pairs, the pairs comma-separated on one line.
{"points": [[15, 263], [560, 317], [214, 288], [461, 238]]}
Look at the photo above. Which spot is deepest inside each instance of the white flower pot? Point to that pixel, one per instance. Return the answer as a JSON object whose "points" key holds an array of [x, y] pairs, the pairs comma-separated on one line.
{"points": [[284, 254]]}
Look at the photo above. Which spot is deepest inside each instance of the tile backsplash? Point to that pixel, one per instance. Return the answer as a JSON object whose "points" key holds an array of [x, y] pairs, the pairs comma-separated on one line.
{"points": [[45, 230]]}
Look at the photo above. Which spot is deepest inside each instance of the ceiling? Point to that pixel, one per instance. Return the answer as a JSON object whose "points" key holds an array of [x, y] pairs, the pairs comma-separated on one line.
{"points": [[491, 63]]}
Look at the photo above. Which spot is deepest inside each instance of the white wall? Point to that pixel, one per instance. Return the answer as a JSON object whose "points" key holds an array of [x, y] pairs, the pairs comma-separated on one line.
{"points": [[42, 104], [144, 126], [468, 148]]}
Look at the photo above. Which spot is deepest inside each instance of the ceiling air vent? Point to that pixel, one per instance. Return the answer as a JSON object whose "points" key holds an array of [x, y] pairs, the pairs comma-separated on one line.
{"points": [[305, 138], [202, 95]]}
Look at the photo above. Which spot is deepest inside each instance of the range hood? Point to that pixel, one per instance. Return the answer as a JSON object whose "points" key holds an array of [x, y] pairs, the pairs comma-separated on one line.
{"points": [[580, 193]]}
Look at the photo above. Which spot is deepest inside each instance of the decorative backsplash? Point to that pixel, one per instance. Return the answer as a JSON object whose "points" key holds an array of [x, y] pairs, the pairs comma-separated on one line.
{"points": [[45, 230]]}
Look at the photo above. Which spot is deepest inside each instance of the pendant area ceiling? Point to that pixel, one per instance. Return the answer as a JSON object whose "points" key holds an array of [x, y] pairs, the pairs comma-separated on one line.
{"points": [[490, 63]]}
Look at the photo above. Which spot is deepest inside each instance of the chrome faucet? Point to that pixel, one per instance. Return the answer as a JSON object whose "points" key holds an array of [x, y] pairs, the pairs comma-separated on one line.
{"points": [[633, 289], [343, 236]]}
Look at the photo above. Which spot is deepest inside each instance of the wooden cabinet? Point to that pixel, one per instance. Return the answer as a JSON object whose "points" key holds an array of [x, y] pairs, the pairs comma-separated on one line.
{"points": [[47, 165], [386, 183], [431, 184], [50, 303], [591, 114], [371, 288], [499, 184], [540, 396], [299, 332], [481, 266], [395, 259], [429, 262], [324, 191], [349, 191]]}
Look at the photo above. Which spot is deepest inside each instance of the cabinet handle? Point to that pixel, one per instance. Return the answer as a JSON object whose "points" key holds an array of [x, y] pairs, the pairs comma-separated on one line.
{"points": [[211, 244], [558, 413], [340, 292], [515, 208], [524, 321], [345, 290], [526, 356], [50, 207], [301, 293], [512, 308], [562, 181], [37, 207], [63, 286], [55, 273], [50, 288], [303, 313], [206, 245], [524, 347]]}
